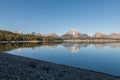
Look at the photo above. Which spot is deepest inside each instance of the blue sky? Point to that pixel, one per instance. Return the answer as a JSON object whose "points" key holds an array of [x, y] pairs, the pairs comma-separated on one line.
{"points": [[44, 16]]}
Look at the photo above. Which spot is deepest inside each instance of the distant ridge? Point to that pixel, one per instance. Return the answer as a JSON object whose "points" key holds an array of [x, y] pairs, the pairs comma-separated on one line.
{"points": [[74, 33], [71, 34], [111, 35]]}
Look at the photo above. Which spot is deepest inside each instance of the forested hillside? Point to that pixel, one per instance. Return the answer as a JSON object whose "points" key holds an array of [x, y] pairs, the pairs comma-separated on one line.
{"points": [[10, 36]]}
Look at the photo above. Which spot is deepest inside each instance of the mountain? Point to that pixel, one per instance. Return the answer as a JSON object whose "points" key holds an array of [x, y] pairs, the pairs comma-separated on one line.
{"points": [[74, 33], [114, 35], [36, 33], [53, 34], [85, 36], [100, 35], [18, 31]]}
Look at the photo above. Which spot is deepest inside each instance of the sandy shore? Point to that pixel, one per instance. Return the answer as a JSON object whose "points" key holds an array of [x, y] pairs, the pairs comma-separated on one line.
{"points": [[20, 68]]}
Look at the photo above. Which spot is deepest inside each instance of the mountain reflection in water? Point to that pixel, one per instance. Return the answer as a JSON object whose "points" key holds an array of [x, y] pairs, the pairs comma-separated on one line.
{"points": [[74, 47], [71, 47]]}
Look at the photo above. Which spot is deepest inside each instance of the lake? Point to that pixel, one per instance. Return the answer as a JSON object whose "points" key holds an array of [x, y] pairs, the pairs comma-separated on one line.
{"points": [[101, 57]]}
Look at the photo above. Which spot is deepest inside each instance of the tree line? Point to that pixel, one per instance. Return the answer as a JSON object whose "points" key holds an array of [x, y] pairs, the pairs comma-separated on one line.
{"points": [[11, 46], [10, 36]]}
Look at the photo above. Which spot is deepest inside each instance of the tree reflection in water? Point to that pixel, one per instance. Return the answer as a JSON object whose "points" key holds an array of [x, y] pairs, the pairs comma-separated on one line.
{"points": [[72, 47], [11, 46]]}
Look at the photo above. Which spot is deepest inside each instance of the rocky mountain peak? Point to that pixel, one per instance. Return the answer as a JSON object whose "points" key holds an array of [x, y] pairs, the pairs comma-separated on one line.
{"points": [[53, 34], [100, 34], [73, 31], [114, 35], [35, 33]]}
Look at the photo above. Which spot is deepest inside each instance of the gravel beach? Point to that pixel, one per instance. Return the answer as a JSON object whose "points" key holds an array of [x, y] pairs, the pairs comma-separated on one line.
{"points": [[20, 68]]}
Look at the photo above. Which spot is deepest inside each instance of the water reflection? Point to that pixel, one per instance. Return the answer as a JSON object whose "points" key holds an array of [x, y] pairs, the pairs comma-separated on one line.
{"points": [[100, 46], [114, 45], [74, 47], [103, 45], [71, 47], [36, 48], [106, 60], [19, 46], [19, 49]]}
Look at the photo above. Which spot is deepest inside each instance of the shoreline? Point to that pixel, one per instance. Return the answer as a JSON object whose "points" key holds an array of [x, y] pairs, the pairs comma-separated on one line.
{"points": [[21, 68], [68, 40], [92, 40], [20, 41]]}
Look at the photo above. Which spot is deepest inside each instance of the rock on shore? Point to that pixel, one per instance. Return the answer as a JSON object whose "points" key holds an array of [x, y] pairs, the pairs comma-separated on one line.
{"points": [[20, 68]]}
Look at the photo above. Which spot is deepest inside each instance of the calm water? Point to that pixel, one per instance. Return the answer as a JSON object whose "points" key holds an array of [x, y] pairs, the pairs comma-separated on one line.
{"points": [[98, 57]]}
